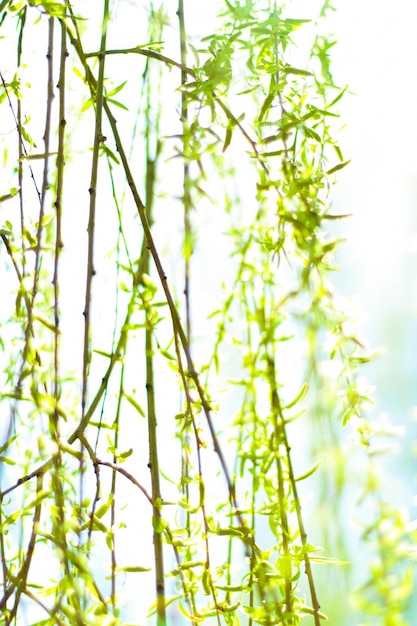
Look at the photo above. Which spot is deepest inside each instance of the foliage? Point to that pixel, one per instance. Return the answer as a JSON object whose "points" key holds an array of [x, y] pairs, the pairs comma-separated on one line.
{"points": [[172, 376]]}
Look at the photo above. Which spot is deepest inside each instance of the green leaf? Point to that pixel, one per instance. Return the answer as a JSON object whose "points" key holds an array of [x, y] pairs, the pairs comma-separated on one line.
{"points": [[206, 581], [233, 532], [266, 106], [116, 90], [309, 132], [135, 404], [296, 23], [338, 152], [102, 425], [46, 322], [158, 523], [109, 540], [133, 569], [117, 103], [228, 138], [158, 45], [125, 455], [17, 6], [78, 73], [108, 355], [87, 104], [338, 167], [8, 443], [103, 508], [27, 137], [311, 611], [5, 459], [298, 397], [309, 472], [55, 9], [95, 524], [109, 153], [167, 355], [11, 519], [13, 191], [338, 97], [191, 564], [296, 71]]}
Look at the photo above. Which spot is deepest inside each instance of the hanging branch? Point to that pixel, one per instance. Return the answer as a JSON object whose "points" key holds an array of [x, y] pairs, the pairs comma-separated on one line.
{"points": [[152, 156], [22, 152], [98, 140], [187, 204], [177, 326]]}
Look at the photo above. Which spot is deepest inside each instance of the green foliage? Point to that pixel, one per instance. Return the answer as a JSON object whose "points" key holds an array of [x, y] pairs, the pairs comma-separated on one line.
{"points": [[205, 271]]}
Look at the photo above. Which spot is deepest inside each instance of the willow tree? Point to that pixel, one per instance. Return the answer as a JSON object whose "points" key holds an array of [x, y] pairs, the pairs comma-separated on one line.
{"points": [[175, 362]]}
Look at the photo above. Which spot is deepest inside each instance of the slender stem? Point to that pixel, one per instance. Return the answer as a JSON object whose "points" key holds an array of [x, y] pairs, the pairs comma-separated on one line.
{"points": [[47, 141], [281, 480], [297, 502], [113, 491], [188, 244], [58, 215], [150, 379], [156, 489], [24, 570], [202, 504], [187, 251], [98, 140], [30, 300], [22, 20]]}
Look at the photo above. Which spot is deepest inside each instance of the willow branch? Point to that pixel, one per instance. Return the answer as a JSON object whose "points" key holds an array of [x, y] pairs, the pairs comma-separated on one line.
{"points": [[176, 322], [98, 139]]}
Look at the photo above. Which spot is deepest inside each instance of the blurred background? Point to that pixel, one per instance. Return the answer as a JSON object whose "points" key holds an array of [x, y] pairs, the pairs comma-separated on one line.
{"points": [[376, 55]]}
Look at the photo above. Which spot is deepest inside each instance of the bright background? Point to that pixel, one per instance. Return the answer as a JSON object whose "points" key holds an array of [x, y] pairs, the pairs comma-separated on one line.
{"points": [[376, 56]]}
